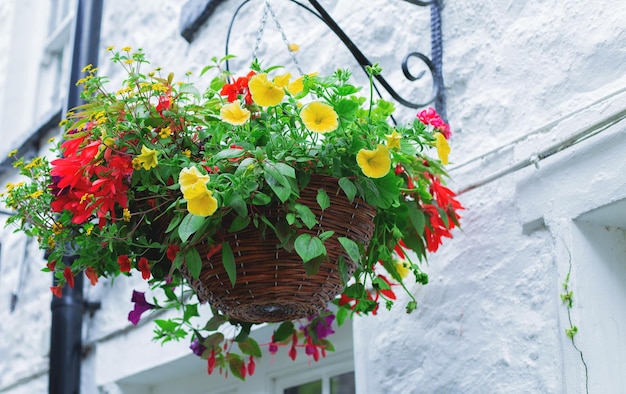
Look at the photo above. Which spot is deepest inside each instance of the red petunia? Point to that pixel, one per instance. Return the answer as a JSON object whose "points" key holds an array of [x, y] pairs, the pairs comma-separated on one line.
{"points": [[172, 251], [144, 267], [92, 275], [239, 87], [124, 263]]}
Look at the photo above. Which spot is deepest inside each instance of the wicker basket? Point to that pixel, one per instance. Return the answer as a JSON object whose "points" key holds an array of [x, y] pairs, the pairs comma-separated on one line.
{"points": [[272, 284]]}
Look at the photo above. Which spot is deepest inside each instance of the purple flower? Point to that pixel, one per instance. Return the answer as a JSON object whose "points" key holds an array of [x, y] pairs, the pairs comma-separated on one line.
{"points": [[197, 348], [141, 305], [323, 325]]}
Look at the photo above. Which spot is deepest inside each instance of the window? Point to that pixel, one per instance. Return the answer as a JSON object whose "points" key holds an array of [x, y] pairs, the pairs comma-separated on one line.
{"points": [[55, 63], [338, 384]]}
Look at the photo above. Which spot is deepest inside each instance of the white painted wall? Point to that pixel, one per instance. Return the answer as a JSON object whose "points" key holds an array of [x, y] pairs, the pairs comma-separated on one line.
{"points": [[491, 319]]}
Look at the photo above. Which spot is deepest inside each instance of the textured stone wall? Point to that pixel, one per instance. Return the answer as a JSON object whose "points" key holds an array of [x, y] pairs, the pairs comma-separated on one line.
{"points": [[491, 319]]}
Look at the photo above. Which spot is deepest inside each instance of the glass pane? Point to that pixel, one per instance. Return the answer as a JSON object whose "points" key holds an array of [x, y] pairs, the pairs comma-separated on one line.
{"points": [[342, 384], [314, 387]]}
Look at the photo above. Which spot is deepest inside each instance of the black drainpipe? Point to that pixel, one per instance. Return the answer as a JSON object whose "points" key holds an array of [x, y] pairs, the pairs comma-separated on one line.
{"points": [[67, 311]]}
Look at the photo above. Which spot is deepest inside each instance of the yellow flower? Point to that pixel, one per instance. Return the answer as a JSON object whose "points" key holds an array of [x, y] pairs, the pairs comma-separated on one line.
{"points": [[282, 80], [126, 215], [136, 164], [374, 163], [148, 158], [204, 204], [89, 229], [189, 177], [393, 140], [265, 93], [86, 68], [402, 266], [296, 86], [200, 200], [36, 194], [13, 153], [234, 114], [51, 243], [319, 117], [127, 49], [187, 152], [293, 47], [129, 61], [57, 228], [165, 132], [110, 48], [443, 148]]}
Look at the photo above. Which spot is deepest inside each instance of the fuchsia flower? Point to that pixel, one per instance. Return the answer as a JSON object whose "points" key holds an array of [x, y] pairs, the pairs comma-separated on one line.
{"points": [[141, 305]]}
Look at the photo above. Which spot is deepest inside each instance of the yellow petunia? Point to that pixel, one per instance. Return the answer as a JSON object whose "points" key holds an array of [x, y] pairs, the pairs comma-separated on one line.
{"points": [[402, 267], [296, 86], [264, 92], [319, 117], [234, 113], [393, 140], [282, 80], [147, 158], [201, 201], [374, 163], [443, 148], [189, 177]]}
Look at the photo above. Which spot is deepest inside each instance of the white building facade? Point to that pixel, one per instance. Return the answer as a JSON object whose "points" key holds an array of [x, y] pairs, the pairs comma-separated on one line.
{"points": [[536, 99]]}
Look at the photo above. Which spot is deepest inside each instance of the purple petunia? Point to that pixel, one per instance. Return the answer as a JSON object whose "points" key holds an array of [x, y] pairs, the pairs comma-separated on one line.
{"points": [[141, 305], [197, 348]]}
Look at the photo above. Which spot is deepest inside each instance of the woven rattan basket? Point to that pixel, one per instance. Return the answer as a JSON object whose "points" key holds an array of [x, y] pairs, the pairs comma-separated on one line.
{"points": [[272, 284]]}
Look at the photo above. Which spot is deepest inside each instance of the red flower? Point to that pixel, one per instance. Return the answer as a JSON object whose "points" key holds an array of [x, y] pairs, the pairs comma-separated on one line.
{"points": [[124, 263], [211, 362], [144, 267], [239, 87], [57, 291], [251, 366], [92, 275], [431, 117], [214, 249], [51, 265], [172, 250], [164, 102], [69, 276]]}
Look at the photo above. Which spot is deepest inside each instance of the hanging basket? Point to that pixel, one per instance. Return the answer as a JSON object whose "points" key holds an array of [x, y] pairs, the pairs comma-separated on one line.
{"points": [[272, 284]]}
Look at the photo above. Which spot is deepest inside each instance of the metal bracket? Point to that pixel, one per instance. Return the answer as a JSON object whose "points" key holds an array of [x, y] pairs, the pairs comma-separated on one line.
{"points": [[197, 12]]}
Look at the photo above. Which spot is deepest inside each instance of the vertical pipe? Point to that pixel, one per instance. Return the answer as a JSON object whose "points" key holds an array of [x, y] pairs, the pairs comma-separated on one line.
{"points": [[67, 311]]}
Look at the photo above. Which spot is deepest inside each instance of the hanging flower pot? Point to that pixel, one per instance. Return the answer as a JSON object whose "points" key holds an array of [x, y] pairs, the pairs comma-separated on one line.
{"points": [[272, 283], [266, 196]]}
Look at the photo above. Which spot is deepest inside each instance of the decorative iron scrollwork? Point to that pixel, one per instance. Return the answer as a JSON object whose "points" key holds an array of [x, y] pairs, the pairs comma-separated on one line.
{"points": [[437, 96]]}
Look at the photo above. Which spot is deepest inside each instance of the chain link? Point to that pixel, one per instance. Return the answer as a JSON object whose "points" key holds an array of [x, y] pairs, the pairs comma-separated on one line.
{"points": [[266, 9]]}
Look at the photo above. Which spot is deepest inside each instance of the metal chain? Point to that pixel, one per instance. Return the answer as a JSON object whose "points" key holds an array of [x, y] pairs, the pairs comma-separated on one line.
{"points": [[267, 8], [259, 32]]}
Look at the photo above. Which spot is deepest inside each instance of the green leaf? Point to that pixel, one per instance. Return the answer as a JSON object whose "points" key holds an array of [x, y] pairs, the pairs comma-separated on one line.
{"points": [[322, 199], [191, 310], [239, 223], [190, 224], [342, 314], [380, 284], [284, 331], [309, 247], [250, 347], [306, 215], [352, 248], [235, 362], [244, 165], [229, 153], [261, 198], [282, 192], [215, 322], [312, 267], [236, 203], [193, 262], [325, 235], [189, 88], [228, 259], [416, 216], [285, 169], [355, 290], [213, 340], [342, 266], [348, 187], [167, 325]]}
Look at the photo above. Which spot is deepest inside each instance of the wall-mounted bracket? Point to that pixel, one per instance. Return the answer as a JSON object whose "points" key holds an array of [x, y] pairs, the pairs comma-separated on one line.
{"points": [[434, 63]]}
